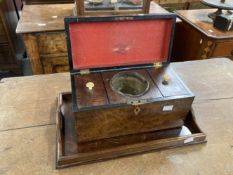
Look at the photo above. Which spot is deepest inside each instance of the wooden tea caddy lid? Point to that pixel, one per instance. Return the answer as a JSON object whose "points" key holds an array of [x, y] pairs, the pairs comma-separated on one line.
{"points": [[100, 48]]}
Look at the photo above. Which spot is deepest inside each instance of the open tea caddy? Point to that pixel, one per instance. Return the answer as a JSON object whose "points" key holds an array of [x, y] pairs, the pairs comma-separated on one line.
{"points": [[126, 99]]}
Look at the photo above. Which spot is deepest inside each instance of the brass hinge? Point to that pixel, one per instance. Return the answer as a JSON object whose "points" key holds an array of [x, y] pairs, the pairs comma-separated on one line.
{"points": [[158, 65], [137, 102], [84, 71]]}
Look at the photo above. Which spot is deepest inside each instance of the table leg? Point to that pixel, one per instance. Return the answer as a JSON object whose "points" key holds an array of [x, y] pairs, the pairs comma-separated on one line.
{"points": [[30, 42]]}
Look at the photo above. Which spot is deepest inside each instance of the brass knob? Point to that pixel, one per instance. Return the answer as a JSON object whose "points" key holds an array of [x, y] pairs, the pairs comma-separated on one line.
{"points": [[166, 79], [90, 85], [113, 1]]}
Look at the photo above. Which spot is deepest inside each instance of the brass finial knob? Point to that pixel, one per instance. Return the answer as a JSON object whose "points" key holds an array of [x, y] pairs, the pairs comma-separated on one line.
{"points": [[166, 79], [90, 85]]}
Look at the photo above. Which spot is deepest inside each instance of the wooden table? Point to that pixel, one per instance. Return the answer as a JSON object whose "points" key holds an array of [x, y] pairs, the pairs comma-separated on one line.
{"points": [[196, 38], [44, 36], [27, 127]]}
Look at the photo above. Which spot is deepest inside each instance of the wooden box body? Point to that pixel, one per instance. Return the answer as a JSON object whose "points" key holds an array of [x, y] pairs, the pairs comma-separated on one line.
{"points": [[70, 153], [105, 114]]}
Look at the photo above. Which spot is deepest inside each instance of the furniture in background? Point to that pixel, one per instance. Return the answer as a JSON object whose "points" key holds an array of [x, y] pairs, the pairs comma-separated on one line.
{"points": [[44, 32], [47, 1], [84, 8], [18, 6], [196, 38], [11, 45], [180, 4], [44, 36]]}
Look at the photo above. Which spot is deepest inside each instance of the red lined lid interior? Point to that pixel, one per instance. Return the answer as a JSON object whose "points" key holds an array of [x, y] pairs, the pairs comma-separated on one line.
{"points": [[119, 43]]}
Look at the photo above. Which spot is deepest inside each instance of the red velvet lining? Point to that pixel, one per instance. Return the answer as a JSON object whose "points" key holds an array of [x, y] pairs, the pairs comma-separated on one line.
{"points": [[107, 44]]}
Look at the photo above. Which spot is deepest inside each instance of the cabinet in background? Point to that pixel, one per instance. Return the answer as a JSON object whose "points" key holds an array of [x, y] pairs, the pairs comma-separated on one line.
{"points": [[196, 38], [11, 44]]}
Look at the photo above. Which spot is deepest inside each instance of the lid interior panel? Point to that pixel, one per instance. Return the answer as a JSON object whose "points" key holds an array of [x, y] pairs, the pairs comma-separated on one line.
{"points": [[119, 43]]}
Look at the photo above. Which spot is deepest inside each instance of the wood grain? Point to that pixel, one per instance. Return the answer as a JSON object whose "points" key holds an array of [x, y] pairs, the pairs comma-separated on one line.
{"points": [[199, 19], [188, 43], [30, 22], [107, 121], [31, 44], [174, 87], [50, 18], [116, 98], [10, 43], [126, 140], [114, 147], [55, 63], [52, 43], [45, 38], [196, 38], [223, 48], [207, 79], [88, 98], [28, 130]]}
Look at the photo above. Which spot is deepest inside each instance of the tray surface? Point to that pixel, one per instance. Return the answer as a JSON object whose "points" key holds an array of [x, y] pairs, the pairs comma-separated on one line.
{"points": [[67, 148]]}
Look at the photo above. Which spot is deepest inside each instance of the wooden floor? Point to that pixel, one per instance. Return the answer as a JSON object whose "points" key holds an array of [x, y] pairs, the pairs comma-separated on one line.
{"points": [[27, 127]]}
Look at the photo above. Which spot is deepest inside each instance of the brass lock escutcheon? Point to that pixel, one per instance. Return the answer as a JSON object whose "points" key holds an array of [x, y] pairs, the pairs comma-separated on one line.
{"points": [[137, 110]]}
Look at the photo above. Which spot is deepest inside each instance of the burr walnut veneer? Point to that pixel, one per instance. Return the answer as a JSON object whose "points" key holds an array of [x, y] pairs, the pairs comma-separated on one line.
{"points": [[101, 133]]}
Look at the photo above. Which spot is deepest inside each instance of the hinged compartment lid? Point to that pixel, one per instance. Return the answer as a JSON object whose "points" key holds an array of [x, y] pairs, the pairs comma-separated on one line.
{"points": [[107, 43]]}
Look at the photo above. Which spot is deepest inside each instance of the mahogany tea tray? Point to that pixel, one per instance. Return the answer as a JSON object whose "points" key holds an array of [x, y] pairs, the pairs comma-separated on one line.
{"points": [[67, 146]]}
